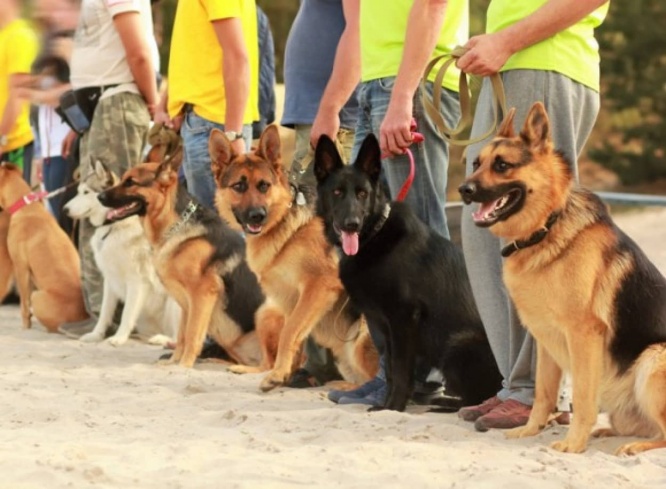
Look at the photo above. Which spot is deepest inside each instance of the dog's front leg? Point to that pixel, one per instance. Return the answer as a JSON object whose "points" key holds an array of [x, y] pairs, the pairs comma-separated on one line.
{"points": [[134, 302], [546, 389], [315, 301], [401, 340], [24, 288], [586, 355], [201, 305], [109, 303]]}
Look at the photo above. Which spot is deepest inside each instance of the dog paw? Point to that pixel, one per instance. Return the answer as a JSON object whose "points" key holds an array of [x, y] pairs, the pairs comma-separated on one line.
{"points": [[521, 432], [603, 433], [117, 340], [160, 340], [272, 380], [568, 446], [635, 448], [92, 337], [242, 369]]}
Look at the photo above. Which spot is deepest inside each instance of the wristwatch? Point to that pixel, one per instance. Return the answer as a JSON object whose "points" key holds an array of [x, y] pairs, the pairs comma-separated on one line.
{"points": [[233, 135]]}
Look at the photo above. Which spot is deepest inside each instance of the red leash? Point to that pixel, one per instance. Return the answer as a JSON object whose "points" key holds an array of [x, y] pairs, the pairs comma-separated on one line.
{"points": [[33, 197], [417, 137]]}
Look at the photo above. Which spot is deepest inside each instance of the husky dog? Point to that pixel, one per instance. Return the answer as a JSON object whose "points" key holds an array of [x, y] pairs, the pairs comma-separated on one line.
{"points": [[124, 256]]}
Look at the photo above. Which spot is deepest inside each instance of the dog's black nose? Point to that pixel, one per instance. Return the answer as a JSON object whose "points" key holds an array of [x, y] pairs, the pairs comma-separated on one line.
{"points": [[256, 215], [467, 191], [103, 197], [352, 224]]}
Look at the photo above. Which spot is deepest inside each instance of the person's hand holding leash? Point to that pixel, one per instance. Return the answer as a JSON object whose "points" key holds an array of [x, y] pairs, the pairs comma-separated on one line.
{"points": [[486, 54], [395, 134]]}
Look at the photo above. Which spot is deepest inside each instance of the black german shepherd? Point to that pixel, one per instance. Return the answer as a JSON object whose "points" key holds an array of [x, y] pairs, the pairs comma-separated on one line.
{"points": [[407, 280]]}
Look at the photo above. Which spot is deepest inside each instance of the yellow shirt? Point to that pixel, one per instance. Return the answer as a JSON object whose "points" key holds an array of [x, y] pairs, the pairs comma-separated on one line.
{"points": [[195, 64], [383, 30], [573, 52], [18, 49]]}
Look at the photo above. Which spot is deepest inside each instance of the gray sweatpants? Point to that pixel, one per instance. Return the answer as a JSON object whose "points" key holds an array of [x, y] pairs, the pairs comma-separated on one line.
{"points": [[572, 109]]}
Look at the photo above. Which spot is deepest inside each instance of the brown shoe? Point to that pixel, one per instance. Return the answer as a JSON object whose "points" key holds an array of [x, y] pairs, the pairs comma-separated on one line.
{"points": [[472, 413], [509, 414]]}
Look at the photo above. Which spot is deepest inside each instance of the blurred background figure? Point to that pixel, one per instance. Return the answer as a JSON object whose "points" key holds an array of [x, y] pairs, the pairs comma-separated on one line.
{"points": [[18, 48], [50, 78]]}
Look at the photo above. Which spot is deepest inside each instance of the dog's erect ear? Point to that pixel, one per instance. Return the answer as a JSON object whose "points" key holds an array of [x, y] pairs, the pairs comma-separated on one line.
{"points": [[100, 170], [220, 152], [326, 158], [369, 158], [269, 145], [506, 127], [536, 131]]}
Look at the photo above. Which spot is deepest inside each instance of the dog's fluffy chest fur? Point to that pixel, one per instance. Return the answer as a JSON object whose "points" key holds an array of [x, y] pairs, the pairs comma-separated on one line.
{"points": [[123, 254]]}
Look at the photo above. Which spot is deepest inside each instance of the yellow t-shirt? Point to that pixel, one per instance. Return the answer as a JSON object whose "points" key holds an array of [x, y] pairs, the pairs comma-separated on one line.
{"points": [[18, 49], [383, 30], [195, 64], [573, 52]]}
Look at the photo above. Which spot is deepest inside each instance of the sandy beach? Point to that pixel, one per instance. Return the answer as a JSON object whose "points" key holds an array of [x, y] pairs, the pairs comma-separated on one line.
{"points": [[81, 415]]}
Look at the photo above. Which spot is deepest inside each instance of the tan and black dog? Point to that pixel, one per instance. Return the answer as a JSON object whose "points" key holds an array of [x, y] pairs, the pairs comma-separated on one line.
{"points": [[296, 266], [199, 259], [590, 297], [43, 260]]}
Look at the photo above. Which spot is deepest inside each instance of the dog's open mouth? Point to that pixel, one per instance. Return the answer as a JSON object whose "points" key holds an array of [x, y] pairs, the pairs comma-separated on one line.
{"points": [[130, 209], [348, 239], [349, 242], [491, 212], [253, 228]]}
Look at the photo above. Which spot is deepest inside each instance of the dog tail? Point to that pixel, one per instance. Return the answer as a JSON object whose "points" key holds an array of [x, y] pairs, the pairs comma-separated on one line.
{"points": [[470, 368]]}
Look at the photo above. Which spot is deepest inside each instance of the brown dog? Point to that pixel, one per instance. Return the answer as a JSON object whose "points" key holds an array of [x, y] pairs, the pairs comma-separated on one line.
{"points": [[199, 259], [296, 266], [44, 261], [590, 297]]}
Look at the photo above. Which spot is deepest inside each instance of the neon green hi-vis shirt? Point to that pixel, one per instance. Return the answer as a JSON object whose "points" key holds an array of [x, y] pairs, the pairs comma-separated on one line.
{"points": [[383, 29], [573, 52]]}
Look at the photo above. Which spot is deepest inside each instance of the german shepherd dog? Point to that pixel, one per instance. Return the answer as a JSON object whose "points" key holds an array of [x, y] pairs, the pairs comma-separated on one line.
{"points": [[407, 280], [590, 297], [199, 259], [297, 268], [124, 256]]}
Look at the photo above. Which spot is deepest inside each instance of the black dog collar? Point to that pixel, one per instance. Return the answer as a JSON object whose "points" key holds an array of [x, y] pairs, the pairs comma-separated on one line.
{"points": [[536, 237]]}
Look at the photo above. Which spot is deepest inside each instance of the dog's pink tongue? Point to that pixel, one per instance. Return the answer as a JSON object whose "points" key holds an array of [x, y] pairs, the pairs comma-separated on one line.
{"points": [[349, 243], [484, 210], [112, 213]]}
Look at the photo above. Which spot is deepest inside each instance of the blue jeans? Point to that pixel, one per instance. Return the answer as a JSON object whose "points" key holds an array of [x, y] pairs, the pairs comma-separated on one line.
{"points": [[196, 162], [428, 193], [54, 171]]}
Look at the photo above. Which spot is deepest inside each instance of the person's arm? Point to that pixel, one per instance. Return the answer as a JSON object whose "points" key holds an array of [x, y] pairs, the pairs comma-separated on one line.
{"points": [[487, 53], [235, 75], [49, 96], [14, 103], [344, 77], [131, 32], [424, 25]]}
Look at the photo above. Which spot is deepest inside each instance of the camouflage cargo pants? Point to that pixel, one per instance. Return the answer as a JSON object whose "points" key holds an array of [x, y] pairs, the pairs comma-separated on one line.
{"points": [[116, 137], [302, 169]]}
